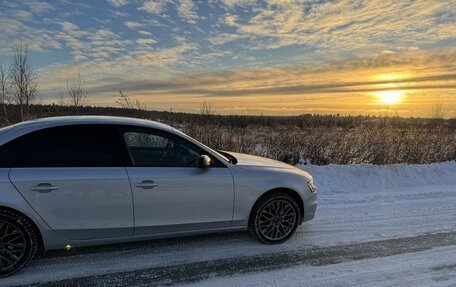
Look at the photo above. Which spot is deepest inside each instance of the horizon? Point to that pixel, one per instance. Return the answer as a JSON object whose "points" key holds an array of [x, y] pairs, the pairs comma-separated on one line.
{"points": [[214, 112], [245, 57]]}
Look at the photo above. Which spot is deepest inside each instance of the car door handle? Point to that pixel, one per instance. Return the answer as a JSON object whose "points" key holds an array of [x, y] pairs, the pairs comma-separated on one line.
{"points": [[44, 187], [147, 184]]}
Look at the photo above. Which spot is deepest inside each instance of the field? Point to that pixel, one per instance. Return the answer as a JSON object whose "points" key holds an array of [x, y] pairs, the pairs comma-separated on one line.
{"points": [[314, 139]]}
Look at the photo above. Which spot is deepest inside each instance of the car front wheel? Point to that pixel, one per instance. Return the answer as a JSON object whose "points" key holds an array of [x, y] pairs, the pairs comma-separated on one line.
{"points": [[275, 218], [19, 242]]}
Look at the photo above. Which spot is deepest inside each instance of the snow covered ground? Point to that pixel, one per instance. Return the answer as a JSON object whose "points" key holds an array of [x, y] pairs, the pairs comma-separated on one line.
{"points": [[375, 226]]}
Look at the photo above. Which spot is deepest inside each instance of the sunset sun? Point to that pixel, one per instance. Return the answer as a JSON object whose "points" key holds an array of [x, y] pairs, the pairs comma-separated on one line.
{"points": [[390, 97]]}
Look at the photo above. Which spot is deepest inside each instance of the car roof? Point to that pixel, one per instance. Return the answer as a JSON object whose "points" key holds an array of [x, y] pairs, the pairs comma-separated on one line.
{"points": [[19, 129]]}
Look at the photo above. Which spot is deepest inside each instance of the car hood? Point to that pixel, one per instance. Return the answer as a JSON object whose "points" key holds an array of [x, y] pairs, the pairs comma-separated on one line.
{"points": [[251, 160]]}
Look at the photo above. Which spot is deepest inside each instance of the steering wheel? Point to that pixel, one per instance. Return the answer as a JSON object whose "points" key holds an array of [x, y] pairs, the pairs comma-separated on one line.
{"points": [[166, 151], [182, 153]]}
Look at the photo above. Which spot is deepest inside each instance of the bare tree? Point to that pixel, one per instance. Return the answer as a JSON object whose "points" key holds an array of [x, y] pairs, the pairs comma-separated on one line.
{"points": [[206, 108], [4, 93], [208, 117], [77, 94], [63, 101], [24, 80], [128, 103], [437, 110]]}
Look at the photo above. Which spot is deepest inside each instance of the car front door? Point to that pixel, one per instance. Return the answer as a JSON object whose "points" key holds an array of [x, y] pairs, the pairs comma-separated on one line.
{"points": [[170, 192], [74, 177]]}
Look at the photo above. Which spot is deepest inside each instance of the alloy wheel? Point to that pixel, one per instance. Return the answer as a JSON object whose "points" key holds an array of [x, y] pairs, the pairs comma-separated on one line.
{"points": [[277, 219], [12, 245]]}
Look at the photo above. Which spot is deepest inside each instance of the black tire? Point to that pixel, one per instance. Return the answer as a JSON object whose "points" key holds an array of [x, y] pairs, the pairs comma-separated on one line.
{"points": [[19, 242], [281, 224]]}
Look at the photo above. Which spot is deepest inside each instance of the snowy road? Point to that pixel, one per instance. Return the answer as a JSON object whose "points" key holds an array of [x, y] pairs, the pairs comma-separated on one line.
{"points": [[375, 226]]}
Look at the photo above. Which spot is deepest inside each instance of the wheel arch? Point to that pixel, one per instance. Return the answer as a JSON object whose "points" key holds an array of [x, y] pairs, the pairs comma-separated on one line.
{"points": [[34, 225], [285, 190]]}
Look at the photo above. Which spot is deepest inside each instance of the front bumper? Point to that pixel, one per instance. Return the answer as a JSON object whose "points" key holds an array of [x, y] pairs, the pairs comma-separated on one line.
{"points": [[310, 203], [309, 211]]}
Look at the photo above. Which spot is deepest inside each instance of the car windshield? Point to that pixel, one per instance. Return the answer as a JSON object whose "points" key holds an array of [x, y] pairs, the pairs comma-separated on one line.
{"points": [[228, 159], [229, 156]]}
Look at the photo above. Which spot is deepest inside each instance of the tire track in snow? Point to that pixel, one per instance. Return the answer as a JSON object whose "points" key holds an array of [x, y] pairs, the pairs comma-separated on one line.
{"points": [[320, 256]]}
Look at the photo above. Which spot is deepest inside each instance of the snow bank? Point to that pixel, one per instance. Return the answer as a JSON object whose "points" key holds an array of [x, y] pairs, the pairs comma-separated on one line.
{"points": [[355, 177]]}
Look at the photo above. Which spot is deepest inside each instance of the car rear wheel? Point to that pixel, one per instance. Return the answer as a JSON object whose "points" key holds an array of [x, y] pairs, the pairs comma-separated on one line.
{"points": [[19, 242], [275, 218]]}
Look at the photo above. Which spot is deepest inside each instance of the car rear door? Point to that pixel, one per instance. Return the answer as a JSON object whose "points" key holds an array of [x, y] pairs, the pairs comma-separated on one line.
{"points": [[74, 177], [170, 192]]}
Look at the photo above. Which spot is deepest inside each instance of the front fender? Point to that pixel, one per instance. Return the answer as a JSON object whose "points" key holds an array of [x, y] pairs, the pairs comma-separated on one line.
{"points": [[251, 183]]}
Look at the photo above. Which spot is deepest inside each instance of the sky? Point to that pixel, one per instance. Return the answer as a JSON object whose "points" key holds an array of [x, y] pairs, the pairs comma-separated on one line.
{"points": [[269, 57]]}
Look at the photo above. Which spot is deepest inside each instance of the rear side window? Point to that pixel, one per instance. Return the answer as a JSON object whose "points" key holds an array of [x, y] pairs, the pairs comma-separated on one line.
{"points": [[65, 146]]}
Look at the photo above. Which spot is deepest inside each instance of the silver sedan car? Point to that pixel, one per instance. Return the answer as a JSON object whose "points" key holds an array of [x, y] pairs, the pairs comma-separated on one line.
{"points": [[78, 181]]}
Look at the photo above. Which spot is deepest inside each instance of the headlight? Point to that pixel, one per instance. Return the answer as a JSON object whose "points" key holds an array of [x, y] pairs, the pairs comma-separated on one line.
{"points": [[312, 186]]}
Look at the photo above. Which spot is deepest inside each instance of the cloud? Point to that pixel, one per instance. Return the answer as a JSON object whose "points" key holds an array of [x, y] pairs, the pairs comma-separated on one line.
{"points": [[15, 31], [118, 3], [133, 24], [160, 58], [146, 33], [93, 44], [138, 63], [38, 7], [346, 86], [154, 6], [230, 20], [344, 24], [411, 70], [21, 14], [223, 38], [145, 41], [234, 3], [187, 11], [68, 26]]}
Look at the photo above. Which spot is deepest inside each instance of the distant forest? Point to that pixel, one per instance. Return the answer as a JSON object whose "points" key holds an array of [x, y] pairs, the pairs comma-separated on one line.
{"points": [[208, 116]]}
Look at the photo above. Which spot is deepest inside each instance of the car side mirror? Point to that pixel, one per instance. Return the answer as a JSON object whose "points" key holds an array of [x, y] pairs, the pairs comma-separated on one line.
{"points": [[204, 161]]}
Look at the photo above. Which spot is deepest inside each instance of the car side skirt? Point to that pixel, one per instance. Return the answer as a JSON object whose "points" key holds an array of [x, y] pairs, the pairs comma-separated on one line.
{"points": [[235, 226]]}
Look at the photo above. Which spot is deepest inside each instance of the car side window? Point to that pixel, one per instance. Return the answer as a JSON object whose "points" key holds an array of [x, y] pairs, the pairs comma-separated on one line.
{"points": [[149, 147], [65, 146], [137, 140]]}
